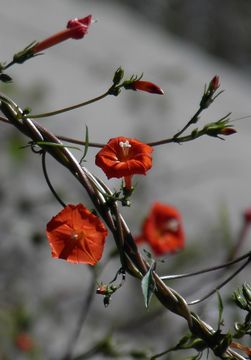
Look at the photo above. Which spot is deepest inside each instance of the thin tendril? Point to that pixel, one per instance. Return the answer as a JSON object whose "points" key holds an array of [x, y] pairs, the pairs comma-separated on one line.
{"points": [[194, 302], [199, 272], [48, 180]]}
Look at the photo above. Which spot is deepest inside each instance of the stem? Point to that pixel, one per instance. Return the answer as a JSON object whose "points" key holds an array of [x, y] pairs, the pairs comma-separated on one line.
{"points": [[193, 120], [241, 239], [78, 142], [167, 296], [85, 308], [48, 180], [154, 143], [194, 302], [213, 268], [69, 108], [9, 65]]}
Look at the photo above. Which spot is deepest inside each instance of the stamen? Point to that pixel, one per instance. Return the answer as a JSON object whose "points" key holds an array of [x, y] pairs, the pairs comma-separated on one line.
{"points": [[125, 144], [172, 225], [74, 236], [125, 148]]}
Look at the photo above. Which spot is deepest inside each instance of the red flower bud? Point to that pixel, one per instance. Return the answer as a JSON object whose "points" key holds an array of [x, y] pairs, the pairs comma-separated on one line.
{"points": [[214, 83], [102, 290], [76, 29], [75, 22], [24, 342], [145, 86], [227, 131]]}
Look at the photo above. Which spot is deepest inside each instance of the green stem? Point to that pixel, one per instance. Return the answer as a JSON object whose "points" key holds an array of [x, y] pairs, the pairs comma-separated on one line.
{"points": [[48, 180], [193, 120], [11, 63], [178, 140], [69, 108]]}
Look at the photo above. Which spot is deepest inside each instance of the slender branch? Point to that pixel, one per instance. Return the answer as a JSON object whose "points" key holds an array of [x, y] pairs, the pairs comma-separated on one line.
{"points": [[11, 63], [69, 108], [48, 180], [79, 142], [173, 139], [213, 268], [240, 241], [63, 138], [193, 120], [194, 302], [85, 308]]}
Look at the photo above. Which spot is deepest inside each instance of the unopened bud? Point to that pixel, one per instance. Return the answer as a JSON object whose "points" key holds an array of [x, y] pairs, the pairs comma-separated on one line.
{"points": [[246, 289], [118, 76], [239, 300], [144, 86], [227, 131], [214, 83], [24, 342]]}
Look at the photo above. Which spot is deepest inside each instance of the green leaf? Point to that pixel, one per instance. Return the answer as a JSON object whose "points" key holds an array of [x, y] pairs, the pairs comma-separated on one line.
{"points": [[148, 285], [220, 310], [48, 143], [86, 144]]}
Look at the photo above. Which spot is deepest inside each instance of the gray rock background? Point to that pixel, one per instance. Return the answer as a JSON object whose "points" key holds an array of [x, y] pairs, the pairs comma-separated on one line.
{"points": [[204, 179]]}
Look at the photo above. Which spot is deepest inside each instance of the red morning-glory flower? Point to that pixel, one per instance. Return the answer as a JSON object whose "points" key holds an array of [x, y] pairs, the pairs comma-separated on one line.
{"points": [[76, 235], [163, 229], [124, 157]]}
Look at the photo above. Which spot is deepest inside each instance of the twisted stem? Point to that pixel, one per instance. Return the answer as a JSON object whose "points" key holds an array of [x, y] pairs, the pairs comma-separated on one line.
{"points": [[134, 263]]}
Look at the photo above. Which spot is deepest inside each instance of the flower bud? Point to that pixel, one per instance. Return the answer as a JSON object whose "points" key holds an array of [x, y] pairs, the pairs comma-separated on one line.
{"points": [[76, 22], [24, 342], [214, 83], [144, 86], [118, 76], [239, 300], [227, 131], [147, 86], [75, 29], [246, 289]]}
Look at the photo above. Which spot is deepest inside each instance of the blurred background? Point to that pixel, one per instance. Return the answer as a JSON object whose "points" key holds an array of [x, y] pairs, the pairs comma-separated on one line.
{"points": [[178, 45]]}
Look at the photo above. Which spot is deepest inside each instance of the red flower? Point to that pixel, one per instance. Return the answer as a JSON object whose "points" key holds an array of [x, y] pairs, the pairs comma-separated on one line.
{"points": [[162, 229], [76, 29], [124, 157], [76, 235], [146, 86], [24, 342]]}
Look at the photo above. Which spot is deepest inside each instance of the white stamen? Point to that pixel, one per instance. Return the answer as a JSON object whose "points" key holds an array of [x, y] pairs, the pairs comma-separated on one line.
{"points": [[125, 144], [172, 225]]}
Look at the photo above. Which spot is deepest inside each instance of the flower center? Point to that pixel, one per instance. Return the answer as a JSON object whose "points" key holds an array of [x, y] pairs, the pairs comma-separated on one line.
{"points": [[171, 225], [125, 146], [76, 236]]}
